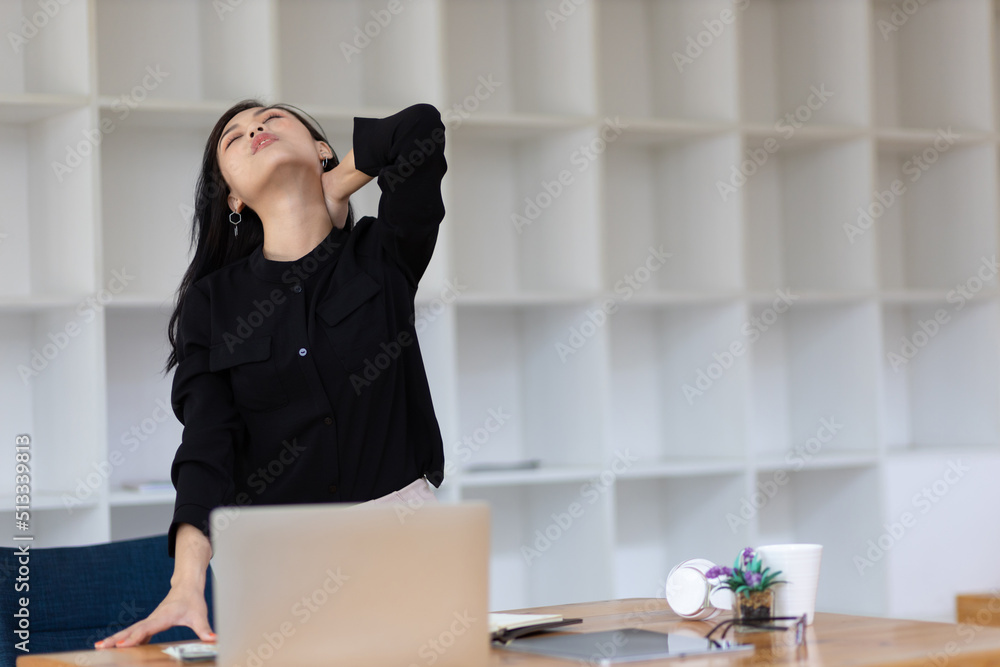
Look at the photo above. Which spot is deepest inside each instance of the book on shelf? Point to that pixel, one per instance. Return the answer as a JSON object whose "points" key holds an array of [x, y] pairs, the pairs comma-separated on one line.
{"points": [[148, 486]]}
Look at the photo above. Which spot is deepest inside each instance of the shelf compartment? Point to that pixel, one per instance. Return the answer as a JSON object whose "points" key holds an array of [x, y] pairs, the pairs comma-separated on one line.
{"points": [[668, 59], [228, 53], [357, 53], [663, 196], [807, 59], [928, 351], [678, 391], [531, 476], [53, 366], [514, 385], [519, 228], [512, 57], [549, 544], [49, 48], [128, 498], [932, 490], [48, 180], [130, 522], [797, 205], [840, 509], [148, 212], [814, 380], [931, 64], [662, 522], [143, 433], [938, 213]]}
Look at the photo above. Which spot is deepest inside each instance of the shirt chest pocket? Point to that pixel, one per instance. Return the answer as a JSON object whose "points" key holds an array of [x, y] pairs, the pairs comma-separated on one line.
{"points": [[252, 372], [354, 320]]}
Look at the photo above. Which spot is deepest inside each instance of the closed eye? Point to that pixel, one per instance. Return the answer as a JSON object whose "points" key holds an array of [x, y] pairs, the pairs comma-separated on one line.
{"points": [[237, 135]]}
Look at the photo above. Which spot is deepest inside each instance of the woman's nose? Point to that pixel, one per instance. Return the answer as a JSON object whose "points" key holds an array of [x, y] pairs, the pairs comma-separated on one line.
{"points": [[260, 128]]}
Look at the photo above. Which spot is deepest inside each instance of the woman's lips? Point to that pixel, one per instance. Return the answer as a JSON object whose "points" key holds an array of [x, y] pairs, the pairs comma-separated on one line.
{"points": [[263, 139]]}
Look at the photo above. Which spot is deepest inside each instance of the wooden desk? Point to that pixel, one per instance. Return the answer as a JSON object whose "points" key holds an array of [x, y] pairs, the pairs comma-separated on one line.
{"points": [[833, 639]]}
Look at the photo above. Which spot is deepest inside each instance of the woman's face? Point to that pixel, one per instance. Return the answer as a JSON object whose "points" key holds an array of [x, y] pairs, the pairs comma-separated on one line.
{"points": [[258, 144]]}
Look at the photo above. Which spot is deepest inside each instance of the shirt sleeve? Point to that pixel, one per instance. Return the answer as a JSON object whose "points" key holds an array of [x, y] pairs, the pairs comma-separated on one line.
{"points": [[202, 469], [405, 151]]}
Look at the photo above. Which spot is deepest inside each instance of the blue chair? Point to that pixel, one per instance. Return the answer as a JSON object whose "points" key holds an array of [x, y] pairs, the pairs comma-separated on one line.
{"points": [[79, 595]]}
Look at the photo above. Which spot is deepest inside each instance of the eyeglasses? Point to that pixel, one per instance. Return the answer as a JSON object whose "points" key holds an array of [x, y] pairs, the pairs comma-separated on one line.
{"points": [[761, 624]]}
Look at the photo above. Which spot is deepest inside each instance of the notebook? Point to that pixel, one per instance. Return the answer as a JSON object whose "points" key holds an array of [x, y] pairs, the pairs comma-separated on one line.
{"points": [[504, 627], [353, 585]]}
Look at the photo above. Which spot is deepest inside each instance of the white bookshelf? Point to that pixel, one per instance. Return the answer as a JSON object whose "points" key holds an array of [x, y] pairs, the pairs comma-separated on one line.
{"points": [[600, 400]]}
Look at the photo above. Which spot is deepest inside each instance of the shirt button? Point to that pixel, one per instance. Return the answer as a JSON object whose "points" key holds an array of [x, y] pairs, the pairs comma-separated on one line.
{"points": [[327, 420], [296, 288], [302, 351], [333, 488]]}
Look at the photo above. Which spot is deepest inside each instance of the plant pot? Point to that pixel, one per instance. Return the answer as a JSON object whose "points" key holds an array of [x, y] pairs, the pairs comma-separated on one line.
{"points": [[750, 606]]}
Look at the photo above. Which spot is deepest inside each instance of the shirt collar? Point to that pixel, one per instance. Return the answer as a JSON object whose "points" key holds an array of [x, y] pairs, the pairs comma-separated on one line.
{"points": [[301, 269]]}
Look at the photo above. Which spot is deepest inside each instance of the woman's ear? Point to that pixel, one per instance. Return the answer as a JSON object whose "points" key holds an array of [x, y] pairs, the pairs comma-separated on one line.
{"points": [[234, 204], [323, 149]]}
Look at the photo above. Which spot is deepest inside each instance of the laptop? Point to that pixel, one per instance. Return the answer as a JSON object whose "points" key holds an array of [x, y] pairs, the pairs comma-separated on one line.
{"points": [[339, 584]]}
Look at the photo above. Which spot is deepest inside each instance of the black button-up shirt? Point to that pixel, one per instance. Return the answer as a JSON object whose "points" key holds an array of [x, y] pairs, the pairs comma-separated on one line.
{"points": [[302, 381]]}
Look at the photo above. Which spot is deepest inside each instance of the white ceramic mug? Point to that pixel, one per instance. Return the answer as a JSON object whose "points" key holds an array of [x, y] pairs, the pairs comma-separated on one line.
{"points": [[799, 565]]}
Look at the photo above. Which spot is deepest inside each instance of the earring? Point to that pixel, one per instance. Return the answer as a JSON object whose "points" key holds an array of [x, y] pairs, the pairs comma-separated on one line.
{"points": [[236, 222], [326, 164]]}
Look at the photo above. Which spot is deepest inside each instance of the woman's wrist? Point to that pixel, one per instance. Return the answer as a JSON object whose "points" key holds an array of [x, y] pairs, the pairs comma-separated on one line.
{"points": [[192, 555], [348, 179], [189, 584]]}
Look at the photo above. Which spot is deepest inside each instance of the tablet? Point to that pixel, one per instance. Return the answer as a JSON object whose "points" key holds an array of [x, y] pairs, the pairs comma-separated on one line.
{"points": [[613, 647]]}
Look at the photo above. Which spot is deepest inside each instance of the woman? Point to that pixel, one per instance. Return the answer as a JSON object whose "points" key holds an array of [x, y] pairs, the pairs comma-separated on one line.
{"points": [[298, 375]]}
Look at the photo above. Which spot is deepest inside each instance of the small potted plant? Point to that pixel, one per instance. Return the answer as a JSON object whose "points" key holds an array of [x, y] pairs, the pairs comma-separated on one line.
{"points": [[751, 584]]}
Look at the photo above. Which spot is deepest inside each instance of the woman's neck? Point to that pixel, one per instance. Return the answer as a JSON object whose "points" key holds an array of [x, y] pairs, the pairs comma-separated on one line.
{"points": [[293, 227]]}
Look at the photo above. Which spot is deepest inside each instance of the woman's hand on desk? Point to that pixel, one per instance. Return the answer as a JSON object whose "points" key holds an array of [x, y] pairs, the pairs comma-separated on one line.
{"points": [[182, 606]]}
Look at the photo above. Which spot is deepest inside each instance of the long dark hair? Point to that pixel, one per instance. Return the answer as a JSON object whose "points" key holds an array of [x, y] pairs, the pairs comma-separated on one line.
{"points": [[212, 238]]}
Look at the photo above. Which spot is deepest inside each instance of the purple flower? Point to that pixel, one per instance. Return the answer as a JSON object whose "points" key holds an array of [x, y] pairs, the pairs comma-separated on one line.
{"points": [[752, 578], [747, 556], [719, 571]]}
